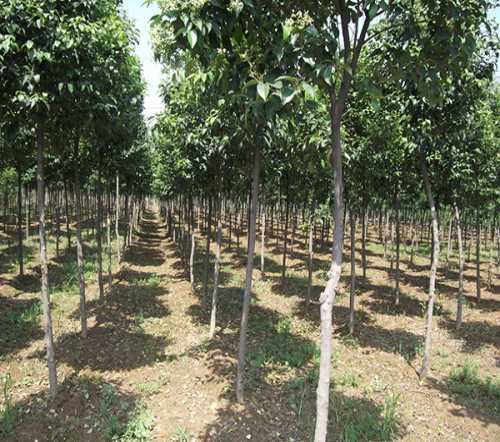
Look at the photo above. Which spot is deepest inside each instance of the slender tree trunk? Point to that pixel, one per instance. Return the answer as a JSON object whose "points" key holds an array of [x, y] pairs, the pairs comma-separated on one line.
{"points": [[99, 235], [460, 297], [262, 241], [398, 244], [285, 243], [108, 239], [79, 244], [28, 211], [448, 245], [45, 294], [478, 255], [240, 376], [311, 257], [66, 210], [363, 240], [353, 271], [213, 313], [434, 266], [20, 222], [117, 219], [327, 298], [207, 249], [58, 222], [191, 261]]}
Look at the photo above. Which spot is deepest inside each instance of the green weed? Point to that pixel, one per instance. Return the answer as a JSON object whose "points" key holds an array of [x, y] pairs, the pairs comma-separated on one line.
{"points": [[466, 381], [8, 412]]}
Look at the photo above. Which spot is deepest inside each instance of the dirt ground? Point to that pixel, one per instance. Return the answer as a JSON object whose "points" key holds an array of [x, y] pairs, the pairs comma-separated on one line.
{"points": [[148, 366]]}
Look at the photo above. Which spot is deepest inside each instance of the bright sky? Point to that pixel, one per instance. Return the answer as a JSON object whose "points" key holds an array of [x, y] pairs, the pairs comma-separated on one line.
{"points": [[141, 14]]}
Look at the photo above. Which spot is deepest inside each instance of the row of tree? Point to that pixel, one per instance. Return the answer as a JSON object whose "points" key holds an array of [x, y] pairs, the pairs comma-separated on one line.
{"points": [[264, 94]]}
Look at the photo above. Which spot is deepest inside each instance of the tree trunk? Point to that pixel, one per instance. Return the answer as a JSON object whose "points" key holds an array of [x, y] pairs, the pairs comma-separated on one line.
{"points": [[45, 295], [478, 255], [79, 244], [240, 377], [327, 298], [66, 210], [448, 245], [108, 240], [20, 222], [363, 240], [117, 219], [207, 249], [191, 261], [460, 297], [311, 257], [285, 243], [262, 241], [352, 218], [434, 266], [99, 235], [398, 244], [213, 313]]}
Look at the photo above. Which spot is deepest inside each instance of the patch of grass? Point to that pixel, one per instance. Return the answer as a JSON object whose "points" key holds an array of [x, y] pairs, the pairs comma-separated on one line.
{"points": [[466, 381], [151, 388], [180, 435], [8, 412], [70, 272], [25, 321], [349, 379], [379, 423], [139, 426], [151, 281], [282, 347]]}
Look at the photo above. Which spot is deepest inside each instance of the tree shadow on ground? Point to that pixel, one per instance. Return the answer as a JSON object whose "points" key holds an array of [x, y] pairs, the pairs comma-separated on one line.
{"points": [[479, 401], [85, 408], [19, 323], [280, 382], [474, 335]]}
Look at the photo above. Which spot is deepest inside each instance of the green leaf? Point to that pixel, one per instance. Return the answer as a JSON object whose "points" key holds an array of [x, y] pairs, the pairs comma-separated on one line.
{"points": [[263, 90], [192, 38], [309, 91], [286, 32]]}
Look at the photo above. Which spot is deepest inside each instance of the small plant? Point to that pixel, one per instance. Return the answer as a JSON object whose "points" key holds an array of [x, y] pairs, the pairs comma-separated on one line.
{"points": [[467, 382], [350, 379], [139, 425], [180, 435], [8, 410], [151, 281]]}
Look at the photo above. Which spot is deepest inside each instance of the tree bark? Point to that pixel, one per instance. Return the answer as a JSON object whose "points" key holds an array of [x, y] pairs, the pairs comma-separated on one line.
{"points": [[45, 295], [213, 313], [262, 241], [327, 298], [460, 297], [79, 244], [99, 235], [311, 257], [117, 219], [478, 255], [20, 222], [240, 377], [207, 249], [398, 245], [352, 219], [434, 266]]}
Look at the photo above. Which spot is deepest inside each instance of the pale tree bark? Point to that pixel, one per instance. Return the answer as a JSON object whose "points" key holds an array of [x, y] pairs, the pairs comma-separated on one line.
{"points": [[327, 298], [191, 261], [108, 240], [117, 219], [262, 241], [240, 376], [20, 221], [352, 297], [99, 235], [207, 249], [311, 257], [478, 255], [213, 313], [79, 244], [398, 246], [460, 297], [45, 294], [433, 272]]}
